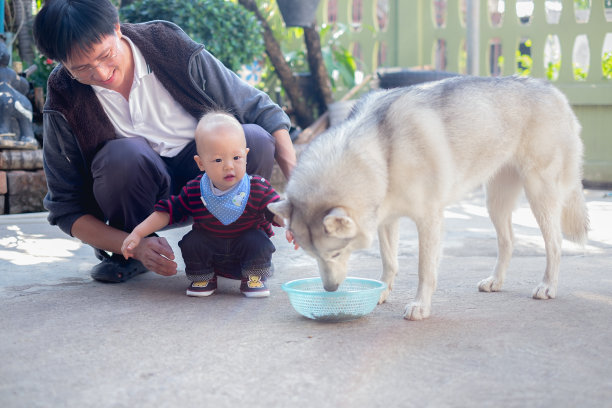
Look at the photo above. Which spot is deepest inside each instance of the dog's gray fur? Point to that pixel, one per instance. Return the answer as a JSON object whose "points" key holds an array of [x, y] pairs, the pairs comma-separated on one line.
{"points": [[413, 151]]}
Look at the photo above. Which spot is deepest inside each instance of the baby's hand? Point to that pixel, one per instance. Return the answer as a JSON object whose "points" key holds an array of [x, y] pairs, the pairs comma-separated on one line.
{"points": [[279, 220], [291, 240], [129, 244]]}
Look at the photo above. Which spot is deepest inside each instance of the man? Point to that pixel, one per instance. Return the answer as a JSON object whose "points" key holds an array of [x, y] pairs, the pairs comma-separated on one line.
{"points": [[119, 123]]}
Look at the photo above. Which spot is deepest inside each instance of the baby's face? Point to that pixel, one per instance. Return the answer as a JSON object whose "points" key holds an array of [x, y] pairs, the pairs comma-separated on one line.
{"points": [[222, 156]]}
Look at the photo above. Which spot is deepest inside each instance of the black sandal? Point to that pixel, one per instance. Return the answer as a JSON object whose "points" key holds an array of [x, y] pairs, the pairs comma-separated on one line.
{"points": [[115, 269]]}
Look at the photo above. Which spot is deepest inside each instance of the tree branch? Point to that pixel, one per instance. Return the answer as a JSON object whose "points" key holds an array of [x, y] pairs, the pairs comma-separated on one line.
{"points": [[317, 67], [303, 114]]}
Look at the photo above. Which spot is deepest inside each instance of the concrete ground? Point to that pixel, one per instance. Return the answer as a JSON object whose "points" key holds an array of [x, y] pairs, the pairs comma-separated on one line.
{"points": [[68, 341]]}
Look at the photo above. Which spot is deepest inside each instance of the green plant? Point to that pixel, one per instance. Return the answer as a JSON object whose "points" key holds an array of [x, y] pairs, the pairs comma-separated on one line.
{"points": [[462, 58], [552, 70], [290, 39], [229, 31], [339, 61], [579, 73], [606, 65], [44, 66], [524, 62], [582, 4], [500, 62]]}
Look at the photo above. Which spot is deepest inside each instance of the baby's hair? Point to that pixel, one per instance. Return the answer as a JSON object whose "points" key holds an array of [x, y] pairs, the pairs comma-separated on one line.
{"points": [[218, 117], [213, 119]]}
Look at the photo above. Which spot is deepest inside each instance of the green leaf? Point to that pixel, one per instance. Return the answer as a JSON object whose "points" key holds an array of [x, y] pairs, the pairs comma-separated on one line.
{"points": [[228, 31]]}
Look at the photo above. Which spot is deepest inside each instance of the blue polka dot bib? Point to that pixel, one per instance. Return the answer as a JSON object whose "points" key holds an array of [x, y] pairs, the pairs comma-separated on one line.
{"points": [[229, 206]]}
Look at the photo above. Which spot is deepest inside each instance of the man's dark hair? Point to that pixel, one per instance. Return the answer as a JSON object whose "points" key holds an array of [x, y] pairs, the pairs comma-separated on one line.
{"points": [[65, 26]]}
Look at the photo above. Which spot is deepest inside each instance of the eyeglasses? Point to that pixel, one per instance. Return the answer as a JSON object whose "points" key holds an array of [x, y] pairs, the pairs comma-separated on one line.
{"points": [[86, 71]]}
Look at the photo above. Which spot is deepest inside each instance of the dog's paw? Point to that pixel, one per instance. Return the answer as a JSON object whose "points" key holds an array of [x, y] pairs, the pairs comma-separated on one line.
{"points": [[544, 291], [490, 285], [383, 296], [417, 311]]}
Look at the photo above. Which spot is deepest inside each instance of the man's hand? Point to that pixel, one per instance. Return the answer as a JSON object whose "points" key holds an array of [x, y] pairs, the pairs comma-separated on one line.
{"points": [[154, 252], [285, 152], [156, 255]]}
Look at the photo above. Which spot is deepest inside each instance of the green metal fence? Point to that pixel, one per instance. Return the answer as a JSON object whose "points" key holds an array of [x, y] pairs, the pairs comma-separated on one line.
{"points": [[567, 41]]}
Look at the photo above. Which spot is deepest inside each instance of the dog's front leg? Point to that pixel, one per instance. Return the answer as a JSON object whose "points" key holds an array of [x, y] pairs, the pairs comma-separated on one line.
{"points": [[388, 237], [430, 232]]}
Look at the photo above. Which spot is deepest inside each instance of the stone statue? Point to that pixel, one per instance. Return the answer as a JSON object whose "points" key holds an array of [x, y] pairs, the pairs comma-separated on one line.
{"points": [[15, 107]]}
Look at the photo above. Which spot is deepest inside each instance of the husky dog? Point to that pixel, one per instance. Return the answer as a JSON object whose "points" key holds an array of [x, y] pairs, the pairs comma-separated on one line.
{"points": [[413, 151]]}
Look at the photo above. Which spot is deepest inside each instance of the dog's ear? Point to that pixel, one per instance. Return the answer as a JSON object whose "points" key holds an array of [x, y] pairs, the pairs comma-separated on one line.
{"points": [[337, 223], [281, 208]]}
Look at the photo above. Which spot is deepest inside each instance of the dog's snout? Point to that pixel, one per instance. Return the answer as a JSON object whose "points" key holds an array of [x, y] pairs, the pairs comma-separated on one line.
{"points": [[331, 287], [332, 275]]}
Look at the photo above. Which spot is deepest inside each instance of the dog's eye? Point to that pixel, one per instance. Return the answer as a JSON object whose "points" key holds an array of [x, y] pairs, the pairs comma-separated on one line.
{"points": [[335, 255]]}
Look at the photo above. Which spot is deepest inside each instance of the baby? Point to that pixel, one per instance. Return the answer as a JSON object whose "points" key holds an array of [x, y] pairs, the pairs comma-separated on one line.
{"points": [[231, 222]]}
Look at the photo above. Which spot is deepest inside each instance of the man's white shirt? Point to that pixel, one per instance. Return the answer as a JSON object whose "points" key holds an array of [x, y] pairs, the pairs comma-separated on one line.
{"points": [[150, 112]]}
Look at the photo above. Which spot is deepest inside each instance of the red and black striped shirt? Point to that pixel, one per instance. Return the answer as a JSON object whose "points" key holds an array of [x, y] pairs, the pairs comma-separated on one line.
{"points": [[189, 204]]}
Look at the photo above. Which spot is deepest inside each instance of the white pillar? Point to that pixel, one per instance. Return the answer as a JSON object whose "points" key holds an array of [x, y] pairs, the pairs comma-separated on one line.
{"points": [[473, 36]]}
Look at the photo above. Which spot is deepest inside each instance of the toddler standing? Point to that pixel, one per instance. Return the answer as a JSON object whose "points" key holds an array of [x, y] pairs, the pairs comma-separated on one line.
{"points": [[231, 222]]}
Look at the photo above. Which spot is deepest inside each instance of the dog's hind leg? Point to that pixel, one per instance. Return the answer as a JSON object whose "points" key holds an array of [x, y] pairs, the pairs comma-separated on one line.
{"points": [[545, 200], [502, 192], [430, 232], [388, 236]]}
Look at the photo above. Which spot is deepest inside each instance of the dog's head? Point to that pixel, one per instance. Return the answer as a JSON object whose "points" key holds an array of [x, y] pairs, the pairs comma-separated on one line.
{"points": [[329, 235]]}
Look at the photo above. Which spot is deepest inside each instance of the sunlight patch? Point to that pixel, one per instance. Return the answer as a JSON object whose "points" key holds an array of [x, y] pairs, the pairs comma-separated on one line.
{"points": [[595, 297], [21, 251]]}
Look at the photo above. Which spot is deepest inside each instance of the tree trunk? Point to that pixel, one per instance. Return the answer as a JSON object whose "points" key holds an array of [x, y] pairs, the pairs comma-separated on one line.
{"points": [[303, 114], [317, 67], [25, 40]]}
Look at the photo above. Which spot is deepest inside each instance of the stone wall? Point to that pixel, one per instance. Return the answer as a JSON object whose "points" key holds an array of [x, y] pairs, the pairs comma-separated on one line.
{"points": [[23, 184], [22, 181]]}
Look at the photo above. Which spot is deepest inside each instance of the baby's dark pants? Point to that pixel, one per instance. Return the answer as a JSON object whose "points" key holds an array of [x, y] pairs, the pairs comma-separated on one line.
{"points": [[250, 254], [129, 177]]}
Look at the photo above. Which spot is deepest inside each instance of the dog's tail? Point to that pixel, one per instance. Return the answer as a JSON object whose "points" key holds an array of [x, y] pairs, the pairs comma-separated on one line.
{"points": [[575, 217]]}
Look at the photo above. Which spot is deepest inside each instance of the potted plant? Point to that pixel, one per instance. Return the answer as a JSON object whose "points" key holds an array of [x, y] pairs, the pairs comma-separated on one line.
{"points": [[298, 13]]}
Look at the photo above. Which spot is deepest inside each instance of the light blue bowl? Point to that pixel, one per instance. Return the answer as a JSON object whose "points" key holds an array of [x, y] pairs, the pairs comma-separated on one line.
{"points": [[356, 297]]}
